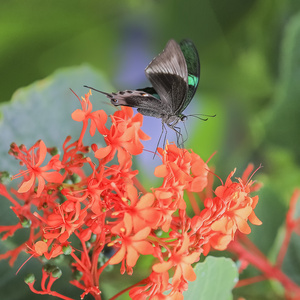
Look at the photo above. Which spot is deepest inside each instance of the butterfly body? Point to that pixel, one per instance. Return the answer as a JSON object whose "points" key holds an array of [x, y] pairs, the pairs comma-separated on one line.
{"points": [[174, 75]]}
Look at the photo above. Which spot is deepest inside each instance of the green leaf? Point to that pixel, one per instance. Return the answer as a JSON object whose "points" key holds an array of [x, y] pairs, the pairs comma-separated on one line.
{"points": [[43, 110], [216, 278], [263, 236], [40, 111], [291, 262], [283, 120]]}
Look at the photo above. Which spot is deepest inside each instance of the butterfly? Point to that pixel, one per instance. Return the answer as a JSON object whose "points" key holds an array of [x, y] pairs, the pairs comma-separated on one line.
{"points": [[174, 75]]}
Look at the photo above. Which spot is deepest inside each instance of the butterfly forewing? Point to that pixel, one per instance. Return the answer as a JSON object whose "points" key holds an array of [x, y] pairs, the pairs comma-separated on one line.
{"points": [[168, 74]]}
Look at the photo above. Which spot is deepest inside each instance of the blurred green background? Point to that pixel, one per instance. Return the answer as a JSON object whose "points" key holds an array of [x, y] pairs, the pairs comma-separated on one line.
{"points": [[250, 73]]}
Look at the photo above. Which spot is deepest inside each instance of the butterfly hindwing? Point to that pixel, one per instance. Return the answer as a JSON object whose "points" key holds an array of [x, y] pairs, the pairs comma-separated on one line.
{"points": [[193, 66], [140, 99], [150, 90]]}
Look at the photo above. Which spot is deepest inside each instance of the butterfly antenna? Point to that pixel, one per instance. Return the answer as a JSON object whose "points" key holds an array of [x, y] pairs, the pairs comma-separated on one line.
{"points": [[187, 133], [182, 140], [203, 119], [165, 137], [179, 137], [162, 131], [107, 94]]}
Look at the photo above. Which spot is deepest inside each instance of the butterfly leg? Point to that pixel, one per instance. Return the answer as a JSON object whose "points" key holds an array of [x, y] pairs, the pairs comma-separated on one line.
{"points": [[165, 137], [163, 129], [179, 136], [186, 132]]}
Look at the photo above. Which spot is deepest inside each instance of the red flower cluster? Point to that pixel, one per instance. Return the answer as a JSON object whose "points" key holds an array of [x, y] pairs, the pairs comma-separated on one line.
{"points": [[106, 208]]}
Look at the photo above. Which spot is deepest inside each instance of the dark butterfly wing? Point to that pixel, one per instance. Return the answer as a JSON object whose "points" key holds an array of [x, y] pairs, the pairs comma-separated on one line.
{"points": [[146, 103], [150, 90], [145, 100], [174, 74], [193, 66], [168, 74]]}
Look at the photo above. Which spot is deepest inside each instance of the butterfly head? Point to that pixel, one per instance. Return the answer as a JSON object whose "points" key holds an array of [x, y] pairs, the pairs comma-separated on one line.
{"points": [[183, 118], [112, 96]]}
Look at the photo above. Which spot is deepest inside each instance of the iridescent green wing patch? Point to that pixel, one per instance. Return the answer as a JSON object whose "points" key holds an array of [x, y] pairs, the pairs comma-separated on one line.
{"points": [[193, 66]]}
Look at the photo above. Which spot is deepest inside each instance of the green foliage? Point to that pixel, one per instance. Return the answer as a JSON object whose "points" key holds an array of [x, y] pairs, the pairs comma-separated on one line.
{"points": [[291, 262], [216, 278], [284, 121], [250, 57], [43, 111]]}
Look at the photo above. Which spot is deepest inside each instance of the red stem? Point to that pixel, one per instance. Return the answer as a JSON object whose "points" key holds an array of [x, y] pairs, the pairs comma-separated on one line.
{"points": [[262, 264], [127, 289], [284, 247], [48, 293], [290, 225], [249, 281]]}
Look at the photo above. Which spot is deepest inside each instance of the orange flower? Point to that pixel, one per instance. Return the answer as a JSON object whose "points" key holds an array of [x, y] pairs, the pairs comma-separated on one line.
{"points": [[98, 118], [182, 260], [41, 248], [235, 210], [155, 286], [33, 163], [64, 221], [125, 133], [110, 208], [131, 245], [141, 211], [182, 169]]}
